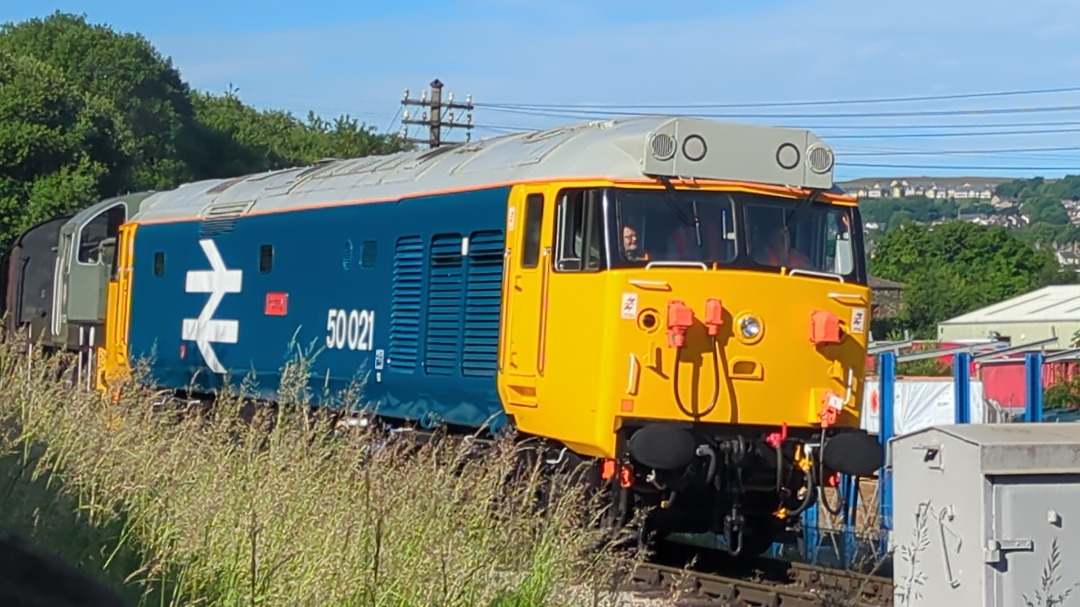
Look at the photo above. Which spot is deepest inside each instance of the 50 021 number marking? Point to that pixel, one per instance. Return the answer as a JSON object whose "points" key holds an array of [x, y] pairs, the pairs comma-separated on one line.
{"points": [[350, 329]]}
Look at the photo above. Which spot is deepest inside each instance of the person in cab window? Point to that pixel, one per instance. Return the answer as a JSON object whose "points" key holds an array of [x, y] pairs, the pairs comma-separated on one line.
{"points": [[683, 242], [776, 250], [631, 248]]}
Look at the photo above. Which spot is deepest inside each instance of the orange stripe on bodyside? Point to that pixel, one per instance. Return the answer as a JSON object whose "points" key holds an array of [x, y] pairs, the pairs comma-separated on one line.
{"points": [[708, 185]]}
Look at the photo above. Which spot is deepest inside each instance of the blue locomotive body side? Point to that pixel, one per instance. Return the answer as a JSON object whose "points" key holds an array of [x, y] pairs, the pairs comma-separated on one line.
{"points": [[407, 292]]}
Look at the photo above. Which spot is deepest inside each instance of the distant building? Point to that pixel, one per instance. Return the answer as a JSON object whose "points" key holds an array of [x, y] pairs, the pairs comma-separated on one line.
{"points": [[885, 297], [1036, 315], [1068, 258], [936, 188]]}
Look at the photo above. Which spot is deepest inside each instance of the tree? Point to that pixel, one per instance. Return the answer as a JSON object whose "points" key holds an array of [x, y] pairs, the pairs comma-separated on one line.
{"points": [[87, 113], [1068, 187], [59, 146], [958, 267], [239, 139], [128, 71], [1045, 209]]}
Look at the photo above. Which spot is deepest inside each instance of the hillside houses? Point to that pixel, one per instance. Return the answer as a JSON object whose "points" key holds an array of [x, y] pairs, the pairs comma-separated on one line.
{"points": [[937, 189]]}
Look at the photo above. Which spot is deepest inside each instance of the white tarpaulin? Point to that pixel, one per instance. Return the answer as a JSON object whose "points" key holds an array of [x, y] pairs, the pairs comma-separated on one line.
{"points": [[919, 403]]}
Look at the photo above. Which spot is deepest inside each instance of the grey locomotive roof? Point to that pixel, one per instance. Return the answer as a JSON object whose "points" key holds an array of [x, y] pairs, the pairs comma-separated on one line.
{"points": [[92, 211], [626, 148]]}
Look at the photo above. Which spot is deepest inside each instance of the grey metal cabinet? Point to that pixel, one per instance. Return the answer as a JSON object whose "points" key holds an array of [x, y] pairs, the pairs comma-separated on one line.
{"points": [[986, 514]]}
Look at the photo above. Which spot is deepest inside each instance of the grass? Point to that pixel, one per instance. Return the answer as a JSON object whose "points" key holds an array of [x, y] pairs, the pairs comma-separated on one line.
{"points": [[277, 510]]}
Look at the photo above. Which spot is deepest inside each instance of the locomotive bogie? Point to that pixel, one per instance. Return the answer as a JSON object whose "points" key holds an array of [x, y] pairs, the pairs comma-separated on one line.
{"points": [[720, 478]]}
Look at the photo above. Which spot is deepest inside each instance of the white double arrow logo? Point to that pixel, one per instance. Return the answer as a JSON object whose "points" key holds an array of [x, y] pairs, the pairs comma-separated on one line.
{"points": [[205, 329]]}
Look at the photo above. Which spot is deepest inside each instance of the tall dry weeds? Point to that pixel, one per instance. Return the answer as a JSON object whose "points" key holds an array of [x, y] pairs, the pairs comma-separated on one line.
{"points": [[210, 510]]}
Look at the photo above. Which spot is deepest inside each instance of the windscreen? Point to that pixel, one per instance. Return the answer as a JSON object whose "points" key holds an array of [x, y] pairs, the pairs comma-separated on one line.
{"points": [[734, 229], [811, 237], [675, 226]]}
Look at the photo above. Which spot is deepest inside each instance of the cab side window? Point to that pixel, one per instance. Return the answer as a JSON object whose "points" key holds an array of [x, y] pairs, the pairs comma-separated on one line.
{"points": [[580, 235], [98, 230], [534, 215]]}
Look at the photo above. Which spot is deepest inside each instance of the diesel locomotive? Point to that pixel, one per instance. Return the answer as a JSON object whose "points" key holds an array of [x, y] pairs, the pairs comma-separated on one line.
{"points": [[681, 303]]}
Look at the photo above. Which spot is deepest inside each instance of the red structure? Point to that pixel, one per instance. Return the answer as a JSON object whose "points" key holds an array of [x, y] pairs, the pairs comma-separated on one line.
{"points": [[1003, 378]]}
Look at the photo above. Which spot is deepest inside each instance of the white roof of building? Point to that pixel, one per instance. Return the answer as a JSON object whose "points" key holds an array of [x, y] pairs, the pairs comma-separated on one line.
{"points": [[1059, 303]]}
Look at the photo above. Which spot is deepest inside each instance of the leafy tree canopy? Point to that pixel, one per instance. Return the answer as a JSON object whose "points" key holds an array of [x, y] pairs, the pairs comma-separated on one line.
{"points": [[87, 113], [1066, 188], [128, 71], [60, 146], [957, 267], [1040, 201]]}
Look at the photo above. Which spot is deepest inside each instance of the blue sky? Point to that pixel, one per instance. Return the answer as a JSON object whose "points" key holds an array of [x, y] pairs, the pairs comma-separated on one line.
{"points": [[338, 56]]}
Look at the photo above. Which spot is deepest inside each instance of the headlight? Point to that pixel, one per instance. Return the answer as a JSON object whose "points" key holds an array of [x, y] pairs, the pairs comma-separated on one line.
{"points": [[750, 327]]}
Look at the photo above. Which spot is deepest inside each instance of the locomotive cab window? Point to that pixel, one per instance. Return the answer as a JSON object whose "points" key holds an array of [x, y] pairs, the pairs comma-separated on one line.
{"points": [[839, 252], [530, 240], [678, 227], [810, 237], [98, 233], [580, 232]]}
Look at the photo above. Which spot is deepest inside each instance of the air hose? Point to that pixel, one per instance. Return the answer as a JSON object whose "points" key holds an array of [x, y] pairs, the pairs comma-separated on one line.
{"points": [[716, 382], [681, 318]]}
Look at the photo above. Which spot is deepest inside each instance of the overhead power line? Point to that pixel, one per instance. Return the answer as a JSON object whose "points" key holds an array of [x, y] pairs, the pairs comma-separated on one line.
{"points": [[907, 152], [823, 131], [1068, 170], [959, 152], [867, 127], [984, 95], [600, 114], [949, 134], [435, 118], [953, 125]]}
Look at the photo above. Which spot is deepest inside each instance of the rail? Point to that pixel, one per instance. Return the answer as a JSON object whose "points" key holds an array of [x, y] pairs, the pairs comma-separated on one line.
{"points": [[807, 586]]}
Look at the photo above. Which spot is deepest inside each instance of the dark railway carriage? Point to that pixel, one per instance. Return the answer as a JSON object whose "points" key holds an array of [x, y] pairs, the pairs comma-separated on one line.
{"points": [[29, 278]]}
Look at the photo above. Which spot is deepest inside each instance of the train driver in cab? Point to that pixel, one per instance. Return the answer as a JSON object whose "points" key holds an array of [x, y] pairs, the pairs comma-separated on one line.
{"points": [[631, 244], [772, 247]]}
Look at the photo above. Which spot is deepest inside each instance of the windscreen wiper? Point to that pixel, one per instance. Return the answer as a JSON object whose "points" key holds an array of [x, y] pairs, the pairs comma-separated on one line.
{"points": [[803, 203], [668, 189]]}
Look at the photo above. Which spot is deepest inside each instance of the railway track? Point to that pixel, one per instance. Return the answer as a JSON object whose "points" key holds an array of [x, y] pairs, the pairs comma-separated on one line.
{"points": [[760, 582]]}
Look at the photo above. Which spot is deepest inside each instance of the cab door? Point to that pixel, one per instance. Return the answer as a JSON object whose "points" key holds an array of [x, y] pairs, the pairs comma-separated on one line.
{"points": [[525, 288]]}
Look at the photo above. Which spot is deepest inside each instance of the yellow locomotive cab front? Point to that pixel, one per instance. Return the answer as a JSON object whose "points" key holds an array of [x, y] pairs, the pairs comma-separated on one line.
{"points": [[775, 339], [704, 339], [704, 305], [668, 328]]}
